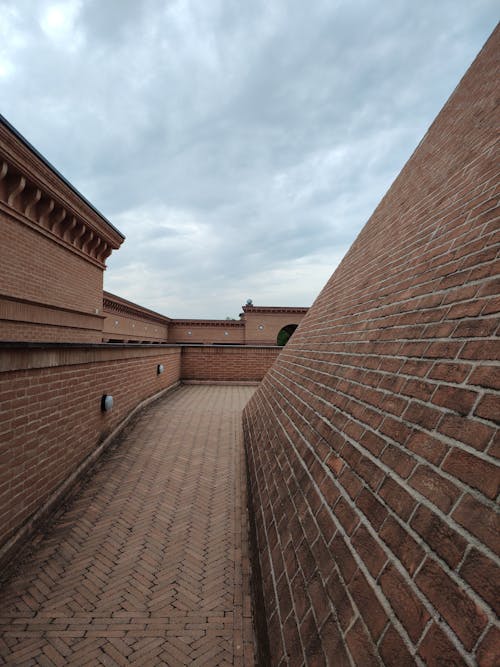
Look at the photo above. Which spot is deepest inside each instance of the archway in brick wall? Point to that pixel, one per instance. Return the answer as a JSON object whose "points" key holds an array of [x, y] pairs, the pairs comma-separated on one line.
{"points": [[285, 334]]}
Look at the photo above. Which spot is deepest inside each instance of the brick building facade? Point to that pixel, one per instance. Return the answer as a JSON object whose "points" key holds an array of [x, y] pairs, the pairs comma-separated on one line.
{"points": [[53, 247], [258, 325]]}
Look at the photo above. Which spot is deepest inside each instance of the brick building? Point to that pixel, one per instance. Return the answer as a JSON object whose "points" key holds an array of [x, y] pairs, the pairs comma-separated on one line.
{"points": [[53, 247], [258, 325]]}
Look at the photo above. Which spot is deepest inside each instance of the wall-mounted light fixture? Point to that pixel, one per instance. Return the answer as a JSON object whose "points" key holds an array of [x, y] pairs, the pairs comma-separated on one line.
{"points": [[106, 402], [226, 333], [159, 369]]}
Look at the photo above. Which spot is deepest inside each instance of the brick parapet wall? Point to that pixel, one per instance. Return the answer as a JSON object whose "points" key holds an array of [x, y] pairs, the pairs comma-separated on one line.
{"points": [[226, 363], [207, 332], [51, 418], [262, 325], [373, 442], [128, 322]]}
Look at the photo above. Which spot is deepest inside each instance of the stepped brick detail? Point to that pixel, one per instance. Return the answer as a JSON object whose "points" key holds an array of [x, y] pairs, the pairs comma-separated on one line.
{"points": [[372, 442]]}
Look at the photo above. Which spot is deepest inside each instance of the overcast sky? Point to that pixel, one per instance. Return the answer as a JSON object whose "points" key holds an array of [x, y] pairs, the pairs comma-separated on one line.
{"points": [[240, 145]]}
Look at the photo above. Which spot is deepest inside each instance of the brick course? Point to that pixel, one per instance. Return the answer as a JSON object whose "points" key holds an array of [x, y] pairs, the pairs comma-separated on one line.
{"points": [[371, 442], [226, 363]]}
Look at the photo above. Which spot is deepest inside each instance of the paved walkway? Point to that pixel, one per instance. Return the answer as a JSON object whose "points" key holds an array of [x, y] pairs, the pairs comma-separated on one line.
{"points": [[149, 565]]}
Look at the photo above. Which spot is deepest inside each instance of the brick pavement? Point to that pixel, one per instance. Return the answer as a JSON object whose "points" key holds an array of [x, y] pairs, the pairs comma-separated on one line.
{"points": [[148, 565]]}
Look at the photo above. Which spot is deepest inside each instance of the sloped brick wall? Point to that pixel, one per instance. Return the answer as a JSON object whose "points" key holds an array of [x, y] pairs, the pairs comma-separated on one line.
{"points": [[372, 442]]}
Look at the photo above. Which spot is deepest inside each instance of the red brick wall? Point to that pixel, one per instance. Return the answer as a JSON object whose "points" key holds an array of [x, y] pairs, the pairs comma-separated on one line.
{"points": [[37, 268], [50, 406], [232, 333], [128, 322], [41, 295], [51, 418], [224, 363], [127, 328], [271, 324], [372, 442]]}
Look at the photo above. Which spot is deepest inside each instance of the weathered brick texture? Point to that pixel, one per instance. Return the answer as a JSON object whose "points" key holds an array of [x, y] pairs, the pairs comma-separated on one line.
{"points": [[372, 443]]}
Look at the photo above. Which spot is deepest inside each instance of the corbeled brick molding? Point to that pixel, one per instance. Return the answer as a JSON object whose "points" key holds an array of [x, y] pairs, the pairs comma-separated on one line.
{"points": [[53, 249], [373, 441], [32, 191]]}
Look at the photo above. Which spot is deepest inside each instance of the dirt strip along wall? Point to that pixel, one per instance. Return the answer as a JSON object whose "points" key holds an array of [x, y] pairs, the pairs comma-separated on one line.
{"points": [[51, 418], [372, 442], [227, 363]]}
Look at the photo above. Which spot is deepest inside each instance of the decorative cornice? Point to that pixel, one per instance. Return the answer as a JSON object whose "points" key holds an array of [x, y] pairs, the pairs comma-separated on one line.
{"points": [[274, 309], [32, 191], [115, 304], [209, 323]]}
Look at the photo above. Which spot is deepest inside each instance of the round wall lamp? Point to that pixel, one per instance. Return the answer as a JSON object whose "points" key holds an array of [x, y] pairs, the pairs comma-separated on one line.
{"points": [[261, 327], [106, 402], [159, 369]]}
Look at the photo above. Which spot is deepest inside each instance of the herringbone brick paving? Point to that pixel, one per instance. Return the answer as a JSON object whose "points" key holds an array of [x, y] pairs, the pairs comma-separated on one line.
{"points": [[148, 565]]}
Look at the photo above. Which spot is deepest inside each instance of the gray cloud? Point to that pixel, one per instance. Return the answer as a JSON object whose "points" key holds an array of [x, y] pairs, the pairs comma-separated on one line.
{"points": [[239, 146]]}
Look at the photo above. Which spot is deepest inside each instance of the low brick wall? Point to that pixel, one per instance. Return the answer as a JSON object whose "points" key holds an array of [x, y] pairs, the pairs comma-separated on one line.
{"points": [[226, 362], [51, 418]]}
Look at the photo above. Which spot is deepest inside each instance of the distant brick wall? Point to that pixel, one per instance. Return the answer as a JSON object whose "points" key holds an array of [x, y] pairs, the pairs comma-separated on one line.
{"points": [[120, 328], [128, 322], [372, 442], [196, 331], [262, 326], [225, 363], [51, 419]]}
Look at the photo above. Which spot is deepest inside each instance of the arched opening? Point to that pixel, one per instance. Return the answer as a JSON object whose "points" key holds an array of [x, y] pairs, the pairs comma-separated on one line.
{"points": [[285, 334]]}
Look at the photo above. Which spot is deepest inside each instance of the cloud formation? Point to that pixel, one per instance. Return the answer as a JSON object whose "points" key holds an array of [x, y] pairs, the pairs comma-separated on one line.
{"points": [[240, 147]]}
